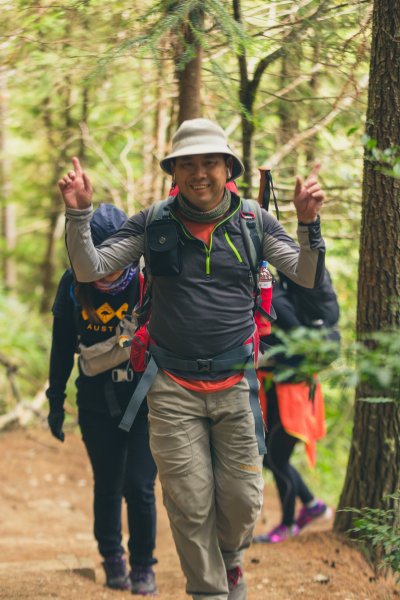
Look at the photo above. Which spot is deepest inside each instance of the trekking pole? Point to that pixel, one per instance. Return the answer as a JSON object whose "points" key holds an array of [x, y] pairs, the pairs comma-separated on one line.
{"points": [[266, 187]]}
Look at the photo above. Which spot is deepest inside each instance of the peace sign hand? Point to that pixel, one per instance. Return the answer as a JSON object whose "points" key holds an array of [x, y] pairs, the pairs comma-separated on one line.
{"points": [[308, 196], [75, 187]]}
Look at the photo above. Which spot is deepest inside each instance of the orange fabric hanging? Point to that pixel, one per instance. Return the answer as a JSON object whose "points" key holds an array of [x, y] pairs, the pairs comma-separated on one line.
{"points": [[300, 416]]}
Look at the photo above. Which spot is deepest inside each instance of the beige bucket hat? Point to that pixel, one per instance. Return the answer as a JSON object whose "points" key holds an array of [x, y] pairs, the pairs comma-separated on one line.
{"points": [[201, 136]]}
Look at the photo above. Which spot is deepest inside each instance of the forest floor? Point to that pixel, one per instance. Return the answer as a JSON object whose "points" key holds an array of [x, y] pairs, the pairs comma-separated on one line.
{"points": [[47, 548]]}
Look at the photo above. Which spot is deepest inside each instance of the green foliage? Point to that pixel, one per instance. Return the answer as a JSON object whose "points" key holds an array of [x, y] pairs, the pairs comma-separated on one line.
{"points": [[378, 531], [167, 19], [314, 345], [387, 161], [373, 362], [25, 341]]}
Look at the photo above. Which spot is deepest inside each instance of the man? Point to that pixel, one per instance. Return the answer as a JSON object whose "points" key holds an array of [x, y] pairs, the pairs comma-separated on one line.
{"points": [[203, 419]]}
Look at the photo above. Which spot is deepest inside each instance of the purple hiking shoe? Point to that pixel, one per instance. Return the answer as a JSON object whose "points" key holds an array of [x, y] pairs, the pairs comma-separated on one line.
{"points": [[143, 581], [280, 533], [117, 577], [308, 515]]}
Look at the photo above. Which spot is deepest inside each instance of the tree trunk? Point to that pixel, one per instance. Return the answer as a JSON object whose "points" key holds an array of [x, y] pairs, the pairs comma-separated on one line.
{"points": [[189, 71], [8, 228], [374, 463], [247, 149], [312, 116], [160, 126], [84, 121], [9, 235], [288, 114], [47, 265]]}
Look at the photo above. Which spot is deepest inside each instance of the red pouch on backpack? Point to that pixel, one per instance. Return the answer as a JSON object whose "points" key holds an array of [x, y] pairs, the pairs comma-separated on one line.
{"points": [[263, 325], [139, 347]]}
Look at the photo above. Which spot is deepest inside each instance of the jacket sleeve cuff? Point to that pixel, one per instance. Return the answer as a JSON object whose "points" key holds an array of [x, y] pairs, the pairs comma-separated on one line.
{"points": [[309, 234], [77, 214], [317, 222], [56, 404]]}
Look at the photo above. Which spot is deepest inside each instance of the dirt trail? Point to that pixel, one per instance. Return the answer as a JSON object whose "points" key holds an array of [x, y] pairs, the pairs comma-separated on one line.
{"points": [[45, 500]]}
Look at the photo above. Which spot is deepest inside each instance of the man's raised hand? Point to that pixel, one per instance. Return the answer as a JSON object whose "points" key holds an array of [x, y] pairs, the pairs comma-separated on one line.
{"points": [[75, 187], [308, 196]]}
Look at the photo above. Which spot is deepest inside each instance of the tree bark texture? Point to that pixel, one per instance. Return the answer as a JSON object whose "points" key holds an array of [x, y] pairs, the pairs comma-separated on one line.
{"points": [[247, 149], [374, 463], [189, 70], [48, 260], [288, 114], [8, 219], [312, 116], [160, 126]]}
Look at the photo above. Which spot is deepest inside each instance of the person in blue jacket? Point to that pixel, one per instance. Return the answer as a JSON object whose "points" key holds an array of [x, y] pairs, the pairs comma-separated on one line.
{"points": [[88, 318]]}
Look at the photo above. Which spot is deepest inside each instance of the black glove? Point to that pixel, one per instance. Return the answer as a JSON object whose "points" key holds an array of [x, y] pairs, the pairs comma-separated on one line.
{"points": [[55, 421]]}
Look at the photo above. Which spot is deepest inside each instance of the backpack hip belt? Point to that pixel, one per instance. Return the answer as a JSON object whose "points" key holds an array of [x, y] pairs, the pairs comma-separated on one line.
{"points": [[238, 359]]}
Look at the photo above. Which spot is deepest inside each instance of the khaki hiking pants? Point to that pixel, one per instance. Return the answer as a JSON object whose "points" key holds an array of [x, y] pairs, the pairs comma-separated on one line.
{"points": [[210, 470]]}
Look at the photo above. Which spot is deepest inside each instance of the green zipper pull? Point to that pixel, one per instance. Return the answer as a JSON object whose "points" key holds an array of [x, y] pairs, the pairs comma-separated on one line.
{"points": [[208, 260]]}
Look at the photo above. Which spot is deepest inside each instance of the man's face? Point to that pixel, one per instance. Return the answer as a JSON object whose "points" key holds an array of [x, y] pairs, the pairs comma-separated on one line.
{"points": [[201, 179]]}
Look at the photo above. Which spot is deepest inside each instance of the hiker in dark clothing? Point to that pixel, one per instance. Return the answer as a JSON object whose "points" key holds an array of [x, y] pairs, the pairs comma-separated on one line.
{"points": [[89, 318], [294, 407]]}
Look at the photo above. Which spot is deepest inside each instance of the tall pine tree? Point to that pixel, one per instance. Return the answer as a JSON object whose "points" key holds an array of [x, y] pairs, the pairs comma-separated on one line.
{"points": [[373, 470]]}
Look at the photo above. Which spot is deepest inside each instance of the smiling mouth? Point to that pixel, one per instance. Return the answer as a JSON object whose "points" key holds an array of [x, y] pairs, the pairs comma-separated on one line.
{"points": [[198, 188]]}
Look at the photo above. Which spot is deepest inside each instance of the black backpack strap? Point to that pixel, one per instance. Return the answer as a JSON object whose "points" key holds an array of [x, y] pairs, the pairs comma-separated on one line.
{"points": [[160, 210]]}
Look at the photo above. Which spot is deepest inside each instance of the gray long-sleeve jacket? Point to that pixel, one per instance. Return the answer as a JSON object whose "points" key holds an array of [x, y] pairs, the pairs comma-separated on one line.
{"points": [[208, 308]]}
